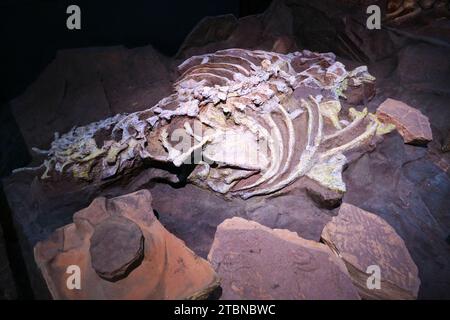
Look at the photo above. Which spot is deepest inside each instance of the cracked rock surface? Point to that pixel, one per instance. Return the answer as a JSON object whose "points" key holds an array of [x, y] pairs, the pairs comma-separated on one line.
{"points": [[412, 125], [255, 262], [362, 240], [137, 259], [117, 246]]}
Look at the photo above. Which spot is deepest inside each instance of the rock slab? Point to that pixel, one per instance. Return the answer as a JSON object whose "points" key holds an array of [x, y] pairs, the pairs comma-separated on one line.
{"points": [[256, 262], [88, 84], [412, 125], [123, 252], [116, 246], [363, 239]]}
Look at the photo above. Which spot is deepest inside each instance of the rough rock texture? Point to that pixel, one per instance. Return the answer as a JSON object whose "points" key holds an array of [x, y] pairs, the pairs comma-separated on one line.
{"points": [[296, 95], [270, 31], [117, 246], [189, 212], [410, 123], [400, 184], [141, 261], [85, 85], [255, 262], [363, 239], [323, 197], [185, 211], [337, 26]]}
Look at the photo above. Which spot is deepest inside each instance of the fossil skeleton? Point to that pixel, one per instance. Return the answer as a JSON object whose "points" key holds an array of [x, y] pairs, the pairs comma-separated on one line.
{"points": [[286, 107]]}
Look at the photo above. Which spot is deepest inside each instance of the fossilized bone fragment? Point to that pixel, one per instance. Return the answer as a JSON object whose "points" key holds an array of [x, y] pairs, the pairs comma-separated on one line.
{"points": [[250, 122]]}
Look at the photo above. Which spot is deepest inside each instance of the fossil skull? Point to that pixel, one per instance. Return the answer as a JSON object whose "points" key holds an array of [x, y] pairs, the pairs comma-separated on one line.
{"points": [[253, 122]]}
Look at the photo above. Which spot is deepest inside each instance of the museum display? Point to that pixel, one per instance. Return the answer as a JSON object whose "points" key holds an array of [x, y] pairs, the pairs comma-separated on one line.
{"points": [[279, 150]]}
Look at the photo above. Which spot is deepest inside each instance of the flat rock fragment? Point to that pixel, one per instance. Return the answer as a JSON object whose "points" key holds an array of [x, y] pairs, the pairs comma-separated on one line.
{"points": [[412, 125], [116, 245], [122, 252], [364, 240], [256, 262]]}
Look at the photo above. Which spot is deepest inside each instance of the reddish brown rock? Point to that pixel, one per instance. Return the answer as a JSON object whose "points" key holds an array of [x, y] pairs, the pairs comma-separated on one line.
{"points": [[117, 246], [434, 74], [356, 95], [323, 197], [113, 79], [413, 126], [123, 252], [363, 239], [256, 262], [209, 30]]}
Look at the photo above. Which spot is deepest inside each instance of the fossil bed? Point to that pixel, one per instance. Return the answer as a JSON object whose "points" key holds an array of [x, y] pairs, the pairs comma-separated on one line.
{"points": [[406, 185]]}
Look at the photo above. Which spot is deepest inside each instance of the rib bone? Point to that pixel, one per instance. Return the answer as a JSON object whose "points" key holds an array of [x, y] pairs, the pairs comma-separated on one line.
{"points": [[240, 100]]}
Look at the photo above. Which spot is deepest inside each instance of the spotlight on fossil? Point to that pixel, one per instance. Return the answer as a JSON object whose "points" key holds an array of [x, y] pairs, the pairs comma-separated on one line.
{"points": [[251, 122]]}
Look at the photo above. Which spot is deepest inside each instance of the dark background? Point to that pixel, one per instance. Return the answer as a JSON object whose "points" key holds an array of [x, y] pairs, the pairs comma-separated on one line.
{"points": [[33, 30]]}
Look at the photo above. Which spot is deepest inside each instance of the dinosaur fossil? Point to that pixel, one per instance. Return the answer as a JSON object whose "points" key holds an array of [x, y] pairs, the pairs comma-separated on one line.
{"points": [[253, 122]]}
